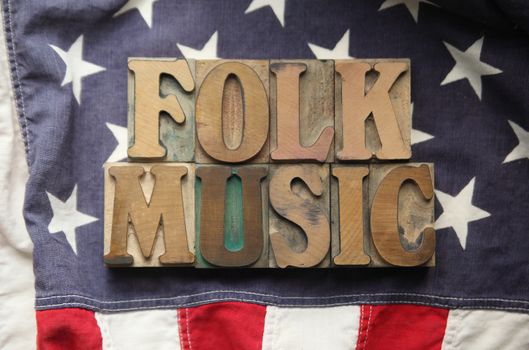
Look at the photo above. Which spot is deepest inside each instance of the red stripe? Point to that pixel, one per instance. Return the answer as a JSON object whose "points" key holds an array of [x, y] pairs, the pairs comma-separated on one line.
{"points": [[222, 326], [72, 329], [398, 327]]}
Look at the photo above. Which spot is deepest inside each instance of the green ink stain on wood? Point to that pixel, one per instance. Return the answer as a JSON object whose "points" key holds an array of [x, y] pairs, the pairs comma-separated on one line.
{"points": [[200, 261], [233, 214], [233, 217]]}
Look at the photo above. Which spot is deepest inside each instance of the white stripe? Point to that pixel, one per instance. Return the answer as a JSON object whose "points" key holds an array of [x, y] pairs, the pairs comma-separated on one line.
{"points": [[486, 330], [311, 328], [155, 329], [17, 290]]}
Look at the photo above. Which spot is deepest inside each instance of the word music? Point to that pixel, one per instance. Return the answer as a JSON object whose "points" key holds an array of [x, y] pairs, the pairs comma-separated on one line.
{"points": [[269, 163]]}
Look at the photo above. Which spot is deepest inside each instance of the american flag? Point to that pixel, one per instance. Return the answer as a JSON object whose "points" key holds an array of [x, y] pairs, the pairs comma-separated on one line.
{"points": [[470, 79]]}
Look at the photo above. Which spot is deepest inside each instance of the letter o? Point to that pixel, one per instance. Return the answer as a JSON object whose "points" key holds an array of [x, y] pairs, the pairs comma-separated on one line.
{"points": [[209, 113]]}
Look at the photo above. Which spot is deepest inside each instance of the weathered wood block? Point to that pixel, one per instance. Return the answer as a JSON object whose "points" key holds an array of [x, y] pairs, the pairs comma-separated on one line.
{"points": [[350, 215], [232, 216], [401, 198], [373, 117], [232, 111], [137, 195], [299, 215], [161, 109], [302, 110]]}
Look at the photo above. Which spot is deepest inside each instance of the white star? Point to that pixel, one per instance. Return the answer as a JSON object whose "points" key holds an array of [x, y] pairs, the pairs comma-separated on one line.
{"points": [[416, 135], [278, 6], [76, 67], [340, 50], [66, 218], [419, 136], [208, 51], [412, 5], [522, 150], [458, 212], [143, 6], [120, 134], [468, 66]]}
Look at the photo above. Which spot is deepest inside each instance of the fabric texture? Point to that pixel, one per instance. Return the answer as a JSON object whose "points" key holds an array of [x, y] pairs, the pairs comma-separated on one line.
{"points": [[222, 325], [68, 63], [311, 328], [402, 326], [17, 291], [134, 330], [74, 329], [234, 325], [479, 329], [66, 66]]}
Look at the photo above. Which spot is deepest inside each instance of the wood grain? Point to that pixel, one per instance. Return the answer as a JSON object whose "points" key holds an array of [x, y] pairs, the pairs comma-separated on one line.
{"points": [[373, 118], [299, 215], [350, 214], [149, 214], [402, 214], [161, 106], [232, 114], [231, 231], [302, 110]]}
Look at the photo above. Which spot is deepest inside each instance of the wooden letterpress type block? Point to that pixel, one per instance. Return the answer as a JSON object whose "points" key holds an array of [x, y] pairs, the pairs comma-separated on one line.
{"points": [[401, 198], [373, 117], [300, 232], [232, 112], [149, 214], [232, 216], [302, 110], [350, 215], [161, 110]]}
